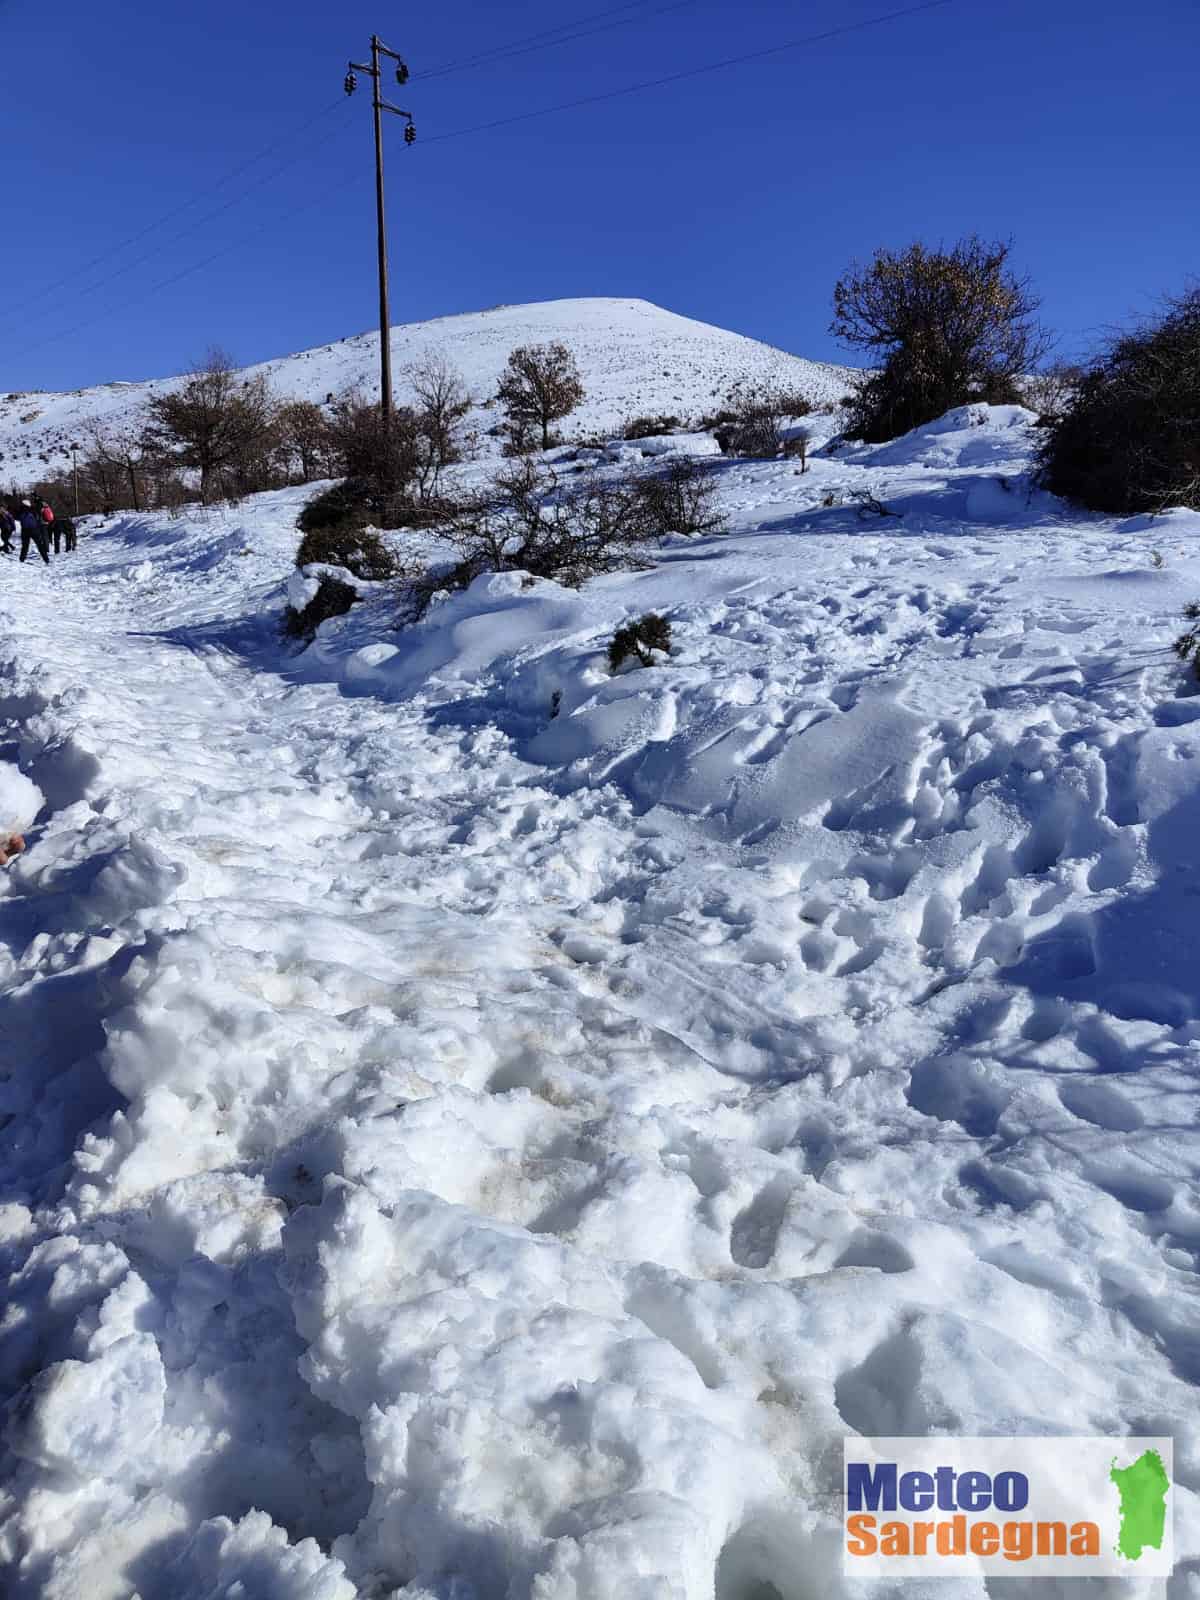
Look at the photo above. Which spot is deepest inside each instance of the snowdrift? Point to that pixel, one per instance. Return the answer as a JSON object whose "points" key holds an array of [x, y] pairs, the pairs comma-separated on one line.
{"points": [[477, 1125]]}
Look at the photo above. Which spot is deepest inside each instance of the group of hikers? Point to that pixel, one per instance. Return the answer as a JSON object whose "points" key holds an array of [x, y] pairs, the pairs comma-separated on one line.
{"points": [[38, 526]]}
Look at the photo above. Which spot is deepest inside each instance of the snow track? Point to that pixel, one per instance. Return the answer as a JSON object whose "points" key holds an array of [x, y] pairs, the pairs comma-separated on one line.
{"points": [[453, 1151]]}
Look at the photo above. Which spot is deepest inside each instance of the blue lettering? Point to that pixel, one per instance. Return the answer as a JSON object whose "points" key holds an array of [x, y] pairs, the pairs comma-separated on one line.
{"points": [[974, 1491], [916, 1491], [1010, 1491], [868, 1486]]}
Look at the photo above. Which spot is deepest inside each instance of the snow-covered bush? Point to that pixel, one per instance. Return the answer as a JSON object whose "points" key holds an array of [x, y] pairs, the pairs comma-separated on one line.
{"points": [[1129, 440], [343, 544], [528, 521], [1187, 646], [639, 640], [333, 598]]}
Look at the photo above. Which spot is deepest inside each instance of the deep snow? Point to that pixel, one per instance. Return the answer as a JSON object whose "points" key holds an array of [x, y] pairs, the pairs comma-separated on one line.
{"points": [[465, 1151]]}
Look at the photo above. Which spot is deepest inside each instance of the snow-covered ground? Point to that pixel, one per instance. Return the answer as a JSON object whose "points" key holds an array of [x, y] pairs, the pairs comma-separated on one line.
{"points": [[636, 359], [456, 1150]]}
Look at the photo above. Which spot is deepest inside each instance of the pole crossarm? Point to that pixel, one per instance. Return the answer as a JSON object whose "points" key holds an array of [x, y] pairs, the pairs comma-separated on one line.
{"points": [[374, 71]]}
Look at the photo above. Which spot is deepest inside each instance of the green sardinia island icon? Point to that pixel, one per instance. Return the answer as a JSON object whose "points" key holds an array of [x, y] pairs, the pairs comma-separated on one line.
{"points": [[1143, 1489]]}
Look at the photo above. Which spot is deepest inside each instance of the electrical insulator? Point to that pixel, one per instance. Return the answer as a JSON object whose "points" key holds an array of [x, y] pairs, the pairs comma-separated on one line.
{"points": [[410, 134], [351, 83], [401, 74]]}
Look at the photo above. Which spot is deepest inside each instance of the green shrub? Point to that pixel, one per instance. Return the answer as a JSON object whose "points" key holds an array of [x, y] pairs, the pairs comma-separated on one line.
{"points": [[640, 639], [1128, 438], [360, 550], [332, 599], [1187, 646]]}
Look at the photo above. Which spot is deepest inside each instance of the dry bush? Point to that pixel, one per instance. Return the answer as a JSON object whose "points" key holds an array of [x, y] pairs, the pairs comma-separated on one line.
{"points": [[304, 442], [756, 415], [437, 421], [681, 498], [529, 522], [650, 427], [1129, 438], [1050, 391], [948, 326]]}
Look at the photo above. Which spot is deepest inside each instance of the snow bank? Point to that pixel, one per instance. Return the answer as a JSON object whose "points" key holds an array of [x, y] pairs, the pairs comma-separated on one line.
{"points": [[20, 800], [479, 1125]]}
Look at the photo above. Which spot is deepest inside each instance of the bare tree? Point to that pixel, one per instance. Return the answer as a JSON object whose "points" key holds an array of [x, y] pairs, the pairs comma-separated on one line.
{"points": [[216, 424], [951, 326], [443, 403], [540, 385]]}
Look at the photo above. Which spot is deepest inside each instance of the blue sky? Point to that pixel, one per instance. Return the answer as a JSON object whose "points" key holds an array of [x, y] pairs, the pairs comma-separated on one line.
{"points": [[735, 196]]}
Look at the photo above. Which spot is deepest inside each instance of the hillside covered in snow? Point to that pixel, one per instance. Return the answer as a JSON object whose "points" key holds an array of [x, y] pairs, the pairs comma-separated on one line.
{"points": [[479, 1126], [635, 358]]}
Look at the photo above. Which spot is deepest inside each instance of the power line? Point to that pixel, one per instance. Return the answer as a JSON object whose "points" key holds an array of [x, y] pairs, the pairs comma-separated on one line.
{"points": [[569, 33], [160, 222], [200, 222], [525, 116], [325, 196], [690, 72]]}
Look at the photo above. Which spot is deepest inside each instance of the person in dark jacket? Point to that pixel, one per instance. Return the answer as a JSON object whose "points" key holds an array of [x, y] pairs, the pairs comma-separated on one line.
{"points": [[8, 526], [33, 531], [62, 531]]}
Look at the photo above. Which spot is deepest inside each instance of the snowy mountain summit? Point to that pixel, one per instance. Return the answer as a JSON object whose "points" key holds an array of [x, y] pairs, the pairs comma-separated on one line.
{"points": [[635, 358]]}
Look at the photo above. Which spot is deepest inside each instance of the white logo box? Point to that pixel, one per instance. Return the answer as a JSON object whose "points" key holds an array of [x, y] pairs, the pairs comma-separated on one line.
{"points": [[1069, 1485]]}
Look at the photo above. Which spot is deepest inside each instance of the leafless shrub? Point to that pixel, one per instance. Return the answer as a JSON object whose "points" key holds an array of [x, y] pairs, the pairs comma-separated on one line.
{"points": [[756, 417], [680, 498], [304, 442], [529, 522], [1050, 391], [437, 421]]}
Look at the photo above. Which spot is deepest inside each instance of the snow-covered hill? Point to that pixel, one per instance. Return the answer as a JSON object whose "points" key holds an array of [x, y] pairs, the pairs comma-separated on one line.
{"points": [[635, 358], [478, 1127]]}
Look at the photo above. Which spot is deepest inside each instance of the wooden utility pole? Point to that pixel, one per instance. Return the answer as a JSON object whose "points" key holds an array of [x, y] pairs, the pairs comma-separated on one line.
{"points": [[379, 105]]}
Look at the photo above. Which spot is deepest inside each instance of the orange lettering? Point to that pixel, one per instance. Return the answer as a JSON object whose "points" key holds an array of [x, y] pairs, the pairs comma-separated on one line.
{"points": [[985, 1538], [895, 1539], [1085, 1539], [952, 1537], [860, 1535]]}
